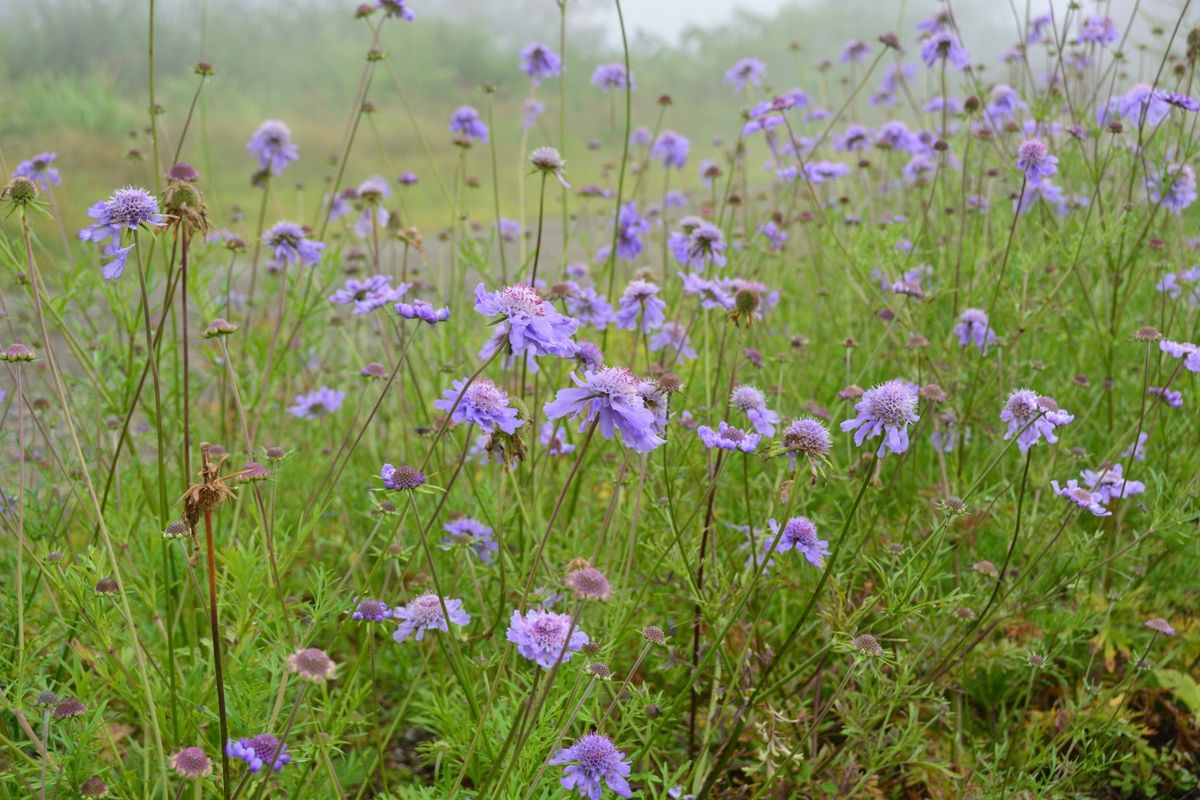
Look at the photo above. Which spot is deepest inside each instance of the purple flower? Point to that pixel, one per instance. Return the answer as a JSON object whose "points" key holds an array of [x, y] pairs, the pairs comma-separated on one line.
{"points": [[611, 76], [944, 46], [806, 437], [291, 246], [1034, 159], [39, 170], [370, 294], [127, 209], [711, 293], [726, 437], [775, 235], [541, 636], [1171, 397], [1081, 497], [895, 135], [630, 227], [673, 336], [397, 9], [531, 109], [612, 393], [1037, 28], [1004, 104], [640, 300], [1109, 483], [509, 230], [553, 438], [272, 145], [484, 404], [371, 611], [1142, 102], [530, 326], [424, 613], [465, 122], [1033, 417], [853, 52], [746, 71], [317, 404], [595, 759], [402, 478], [540, 62], [1188, 352], [973, 326], [1179, 187], [754, 403], [888, 409], [704, 245], [799, 534], [1098, 29], [471, 531], [589, 355], [1138, 449], [258, 751], [590, 307], [420, 309], [407, 179], [671, 149]]}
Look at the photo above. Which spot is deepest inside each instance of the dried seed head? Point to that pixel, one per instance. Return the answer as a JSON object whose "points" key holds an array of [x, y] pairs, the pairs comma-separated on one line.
{"points": [[1146, 334], [20, 191], [192, 763], [932, 392], [94, 787], [670, 383], [592, 648], [986, 568]]}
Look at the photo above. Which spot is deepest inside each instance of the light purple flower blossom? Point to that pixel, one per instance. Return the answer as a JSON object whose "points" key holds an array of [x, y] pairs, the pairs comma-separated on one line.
{"points": [[396, 9], [540, 62], [1033, 417], [1081, 497], [480, 537], [39, 170], [1034, 159], [595, 759], [753, 402], [424, 613], [317, 404], [973, 327], [611, 76], [673, 336], [671, 148], [1141, 103], [1109, 483], [853, 52], [1188, 352], [1180, 191], [886, 410], [1171, 397], [257, 751], [1138, 449], [1098, 29], [530, 326], [612, 394], [727, 437], [711, 293], [630, 227], [272, 145], [370, 294], [590, 307], [466, 122], [289, 244], [746, 71], [541, 636], [484, 404], [127, 209], [775, 235], [531, 109], [944, 45], [640, 300], [554, 439], [799, 534], [371, 611], [422, 310]]}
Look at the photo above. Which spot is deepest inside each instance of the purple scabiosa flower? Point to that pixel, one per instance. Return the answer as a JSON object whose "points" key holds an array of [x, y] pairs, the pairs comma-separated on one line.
{"points": [[39, 169], [1171, 397], [1004, 104], [317, 404], [944, 46], [612, 394], [1160, 626], [1034, 159], [272, 145], [589, 583], [973, 327], [290, 245], [1174, 188], [1037, 28], [1142, 103], [630, 227], [483, 403], [807, 437], [673, 336], [191, 763], [1188, 352], [530, 325], [754, 403], [312, 664], [553, 438], [1081, 497], [531, 109], [855, 138], [424, 613], [774, 235], [1033, 417], [654, 398], [127, 209], [895, 135], [371, 611], [465, 122], [540, 62], [541, 636], [407, 179], [420, 309], [592, 759], [819, 172], [671, 148], [888, 409], [589, 356], [401, 478], [1109, 483], [727, 437], [370, 294], [257, 751], [509, 230], [711, 293], [853, 52], [471, 531], [590, 307], [1137, 450], [799, 534], [747, 71], [640, 300], [397, 9], [1098, 29], [611, 76], [705, 245]]}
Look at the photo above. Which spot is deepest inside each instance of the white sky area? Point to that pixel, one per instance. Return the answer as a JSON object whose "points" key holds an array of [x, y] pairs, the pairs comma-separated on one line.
{"points": [[668, 18]]}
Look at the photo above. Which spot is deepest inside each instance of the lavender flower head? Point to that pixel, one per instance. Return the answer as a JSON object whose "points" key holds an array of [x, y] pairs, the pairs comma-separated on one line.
{"points": [[611, 76], [466, 122], [671, 148], [611, 393], [370, 294], [424, 613], [1174, 188], [1098, 29], [1109, 483], [640, 300], [799, 534], [704, 244], [480, 537], [401, 478], [886, 410], [1081, 497], [1033, 417], [397, 9], [541, 636], [727, 437], [673, 336], [290, 245], [317, 403], [127, 209], [591, 760], [191, 763], [944, 46], [589, 583], [590, 308], [483, 403], [630, 227], [754, 403], [256, 752], [746, 71], [973, 327], [39, 170], [422, 310], [1034, 159], [371, 611], [530, 325], [272, 145], [540, 62], [806, 437]]}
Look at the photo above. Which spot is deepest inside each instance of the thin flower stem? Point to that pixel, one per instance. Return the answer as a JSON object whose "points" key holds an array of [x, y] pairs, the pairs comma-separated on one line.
{"points": [[215, 631]]}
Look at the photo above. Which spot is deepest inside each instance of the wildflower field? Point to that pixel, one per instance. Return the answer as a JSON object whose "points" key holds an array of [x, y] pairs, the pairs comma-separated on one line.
{"points": [[542, 432]]}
